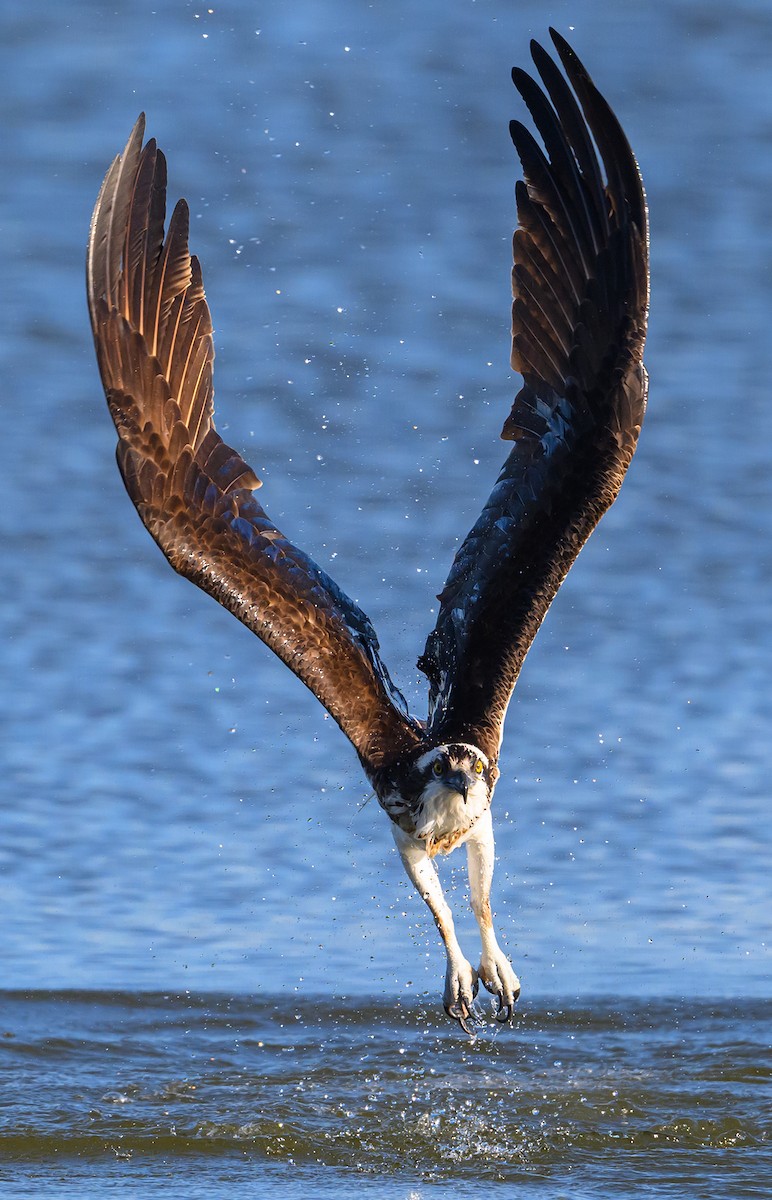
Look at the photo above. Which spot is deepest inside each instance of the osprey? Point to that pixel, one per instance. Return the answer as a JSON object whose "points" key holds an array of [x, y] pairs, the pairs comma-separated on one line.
{"points": [[580, 286]]}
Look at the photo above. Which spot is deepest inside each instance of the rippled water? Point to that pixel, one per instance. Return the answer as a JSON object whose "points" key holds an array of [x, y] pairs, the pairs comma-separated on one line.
{"points": [[351, 1097], [175, 811]]}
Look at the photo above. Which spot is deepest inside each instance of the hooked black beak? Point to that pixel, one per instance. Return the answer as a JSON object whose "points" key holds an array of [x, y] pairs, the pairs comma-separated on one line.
{"points": [[458, 782]]}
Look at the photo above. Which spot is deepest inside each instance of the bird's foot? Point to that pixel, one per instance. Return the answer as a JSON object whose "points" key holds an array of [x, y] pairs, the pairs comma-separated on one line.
{"points": [[461, 986], [497, 977]]}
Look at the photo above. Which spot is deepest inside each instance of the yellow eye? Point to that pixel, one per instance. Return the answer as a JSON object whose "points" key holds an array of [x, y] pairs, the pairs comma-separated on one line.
{"points": [[437, 767], [478, 767]]}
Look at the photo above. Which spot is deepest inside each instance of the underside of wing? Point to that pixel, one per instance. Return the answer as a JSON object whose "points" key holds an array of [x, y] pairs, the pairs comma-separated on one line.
{"points": [[580, 285], [153, 336]]}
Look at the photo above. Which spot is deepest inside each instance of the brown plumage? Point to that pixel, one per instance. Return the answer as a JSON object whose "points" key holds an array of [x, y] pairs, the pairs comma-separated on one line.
{"points": [[153, 336], [580, 284]]}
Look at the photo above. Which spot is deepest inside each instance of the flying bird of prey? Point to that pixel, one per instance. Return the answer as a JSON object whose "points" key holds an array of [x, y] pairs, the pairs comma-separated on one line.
{"points": [[580, 286]]}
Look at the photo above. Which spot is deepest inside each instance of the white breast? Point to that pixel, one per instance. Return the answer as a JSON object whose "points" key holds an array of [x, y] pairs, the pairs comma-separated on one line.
{"points": [[442, 812]]}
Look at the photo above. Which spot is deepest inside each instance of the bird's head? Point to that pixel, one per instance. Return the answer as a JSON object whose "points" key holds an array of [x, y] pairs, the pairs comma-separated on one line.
{"points": [[438, 795], [455, 770]]}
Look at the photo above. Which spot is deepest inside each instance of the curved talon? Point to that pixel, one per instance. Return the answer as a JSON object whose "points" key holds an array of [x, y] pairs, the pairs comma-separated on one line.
{"points": [[461, 987], [463, 1023], [500, 980], [463, 1013], [506, 1011]]}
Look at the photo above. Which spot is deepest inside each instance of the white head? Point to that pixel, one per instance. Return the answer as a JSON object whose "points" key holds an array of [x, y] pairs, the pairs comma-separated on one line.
{"points": [[454, 784]]}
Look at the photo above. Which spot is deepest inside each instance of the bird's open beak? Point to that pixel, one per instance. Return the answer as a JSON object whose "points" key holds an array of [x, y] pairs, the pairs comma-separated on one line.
{"points": [[458, 782]]}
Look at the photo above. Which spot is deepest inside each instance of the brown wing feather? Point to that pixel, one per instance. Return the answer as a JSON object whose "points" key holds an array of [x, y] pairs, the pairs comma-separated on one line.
{"points": [[153, 336], [580, 284]]}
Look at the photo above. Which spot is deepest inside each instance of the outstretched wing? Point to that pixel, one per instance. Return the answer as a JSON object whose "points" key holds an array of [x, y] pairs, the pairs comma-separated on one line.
{"points": [[580, 282], [153, 336]]}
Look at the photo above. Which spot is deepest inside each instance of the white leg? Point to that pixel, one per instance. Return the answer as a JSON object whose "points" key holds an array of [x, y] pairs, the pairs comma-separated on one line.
{"points": [[460, 976], [495, 972]]}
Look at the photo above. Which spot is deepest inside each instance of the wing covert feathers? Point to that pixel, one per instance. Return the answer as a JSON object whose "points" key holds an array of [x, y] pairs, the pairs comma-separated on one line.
{"points": [[153, 336], [581, 289]]}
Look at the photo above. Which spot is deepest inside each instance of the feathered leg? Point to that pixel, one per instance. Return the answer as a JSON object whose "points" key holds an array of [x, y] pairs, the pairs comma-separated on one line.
{"points": [[495, 971], [460, 976]]}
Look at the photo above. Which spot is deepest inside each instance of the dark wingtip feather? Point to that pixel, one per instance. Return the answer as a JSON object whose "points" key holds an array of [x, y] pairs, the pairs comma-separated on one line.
{"points": [[624, 177], [560, 44], [105, 241]]}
